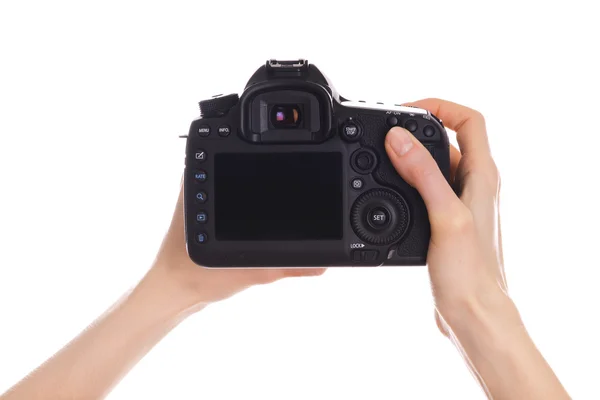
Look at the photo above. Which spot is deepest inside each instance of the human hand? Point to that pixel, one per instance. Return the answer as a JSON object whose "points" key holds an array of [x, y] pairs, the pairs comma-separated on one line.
{"points": [[465, 253], [197, 286], [174, 288], [465, 259]]}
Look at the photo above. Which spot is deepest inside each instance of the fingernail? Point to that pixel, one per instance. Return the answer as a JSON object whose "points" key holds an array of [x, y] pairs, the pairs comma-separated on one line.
{"points": [[316, 271], [400, 141]]}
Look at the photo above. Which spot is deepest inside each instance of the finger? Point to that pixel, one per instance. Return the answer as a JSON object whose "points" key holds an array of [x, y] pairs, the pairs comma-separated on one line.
{"points": [[416, 165], [473, 142], [455, 157], [468, 124], [441, 325], [296, 272], [269, 275], [501, 253]]}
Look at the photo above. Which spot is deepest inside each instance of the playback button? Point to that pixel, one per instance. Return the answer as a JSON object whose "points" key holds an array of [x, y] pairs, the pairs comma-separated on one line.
{"points": [[201, 217]]}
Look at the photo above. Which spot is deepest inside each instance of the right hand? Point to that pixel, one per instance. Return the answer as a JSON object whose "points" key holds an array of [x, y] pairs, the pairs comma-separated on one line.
{"points": [[465, 253]]}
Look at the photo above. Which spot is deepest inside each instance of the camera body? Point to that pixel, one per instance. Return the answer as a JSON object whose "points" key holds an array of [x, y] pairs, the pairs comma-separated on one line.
{"points": [[291, 174]]}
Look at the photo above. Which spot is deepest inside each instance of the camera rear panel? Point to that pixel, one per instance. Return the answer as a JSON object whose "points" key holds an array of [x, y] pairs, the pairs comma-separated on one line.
{"points": [[374, 121], [350, 207], [292, 175]]}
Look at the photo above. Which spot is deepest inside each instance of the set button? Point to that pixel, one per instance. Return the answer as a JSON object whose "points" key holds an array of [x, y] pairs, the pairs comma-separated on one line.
{"points": [[378, 218]]}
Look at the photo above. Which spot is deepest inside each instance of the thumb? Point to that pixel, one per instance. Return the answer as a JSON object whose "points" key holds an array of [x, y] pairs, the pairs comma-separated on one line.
{"points": [[417, 167]]}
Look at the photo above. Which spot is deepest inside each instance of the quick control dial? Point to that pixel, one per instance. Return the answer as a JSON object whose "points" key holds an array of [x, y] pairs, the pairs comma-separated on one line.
{"points": [[380, 217]]}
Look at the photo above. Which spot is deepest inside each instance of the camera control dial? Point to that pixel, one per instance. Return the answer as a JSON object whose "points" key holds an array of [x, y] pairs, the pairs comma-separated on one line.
{"points": [[218, 106], [380, 217]]}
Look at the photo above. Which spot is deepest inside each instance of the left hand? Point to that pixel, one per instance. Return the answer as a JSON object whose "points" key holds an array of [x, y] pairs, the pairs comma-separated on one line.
{"points": [[199, 286]]}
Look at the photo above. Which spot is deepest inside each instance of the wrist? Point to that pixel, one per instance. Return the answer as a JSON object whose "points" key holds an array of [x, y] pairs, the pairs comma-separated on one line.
{"points": [[489, 315], [488, 332], [161, 294]]}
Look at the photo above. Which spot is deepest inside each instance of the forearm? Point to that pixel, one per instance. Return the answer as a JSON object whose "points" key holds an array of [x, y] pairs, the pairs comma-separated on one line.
{"points": [[93, 363], [500, 352]]}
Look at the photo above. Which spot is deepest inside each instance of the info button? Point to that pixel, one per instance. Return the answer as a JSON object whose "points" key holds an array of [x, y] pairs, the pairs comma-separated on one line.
{"points": [[224, 130]]}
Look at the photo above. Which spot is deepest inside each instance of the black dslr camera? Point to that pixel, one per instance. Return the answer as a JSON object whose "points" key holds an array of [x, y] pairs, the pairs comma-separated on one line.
{"points": [[291, 174]]}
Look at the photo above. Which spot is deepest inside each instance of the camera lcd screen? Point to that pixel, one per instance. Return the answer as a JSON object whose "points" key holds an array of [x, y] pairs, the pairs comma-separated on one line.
{"points": [[278, 196]]}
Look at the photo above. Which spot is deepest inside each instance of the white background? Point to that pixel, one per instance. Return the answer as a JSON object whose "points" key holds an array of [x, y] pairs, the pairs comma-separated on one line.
{"points": [[94, 95]]}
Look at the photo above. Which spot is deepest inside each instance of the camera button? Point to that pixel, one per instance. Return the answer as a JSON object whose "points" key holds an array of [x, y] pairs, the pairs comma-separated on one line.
{"points": [[365, 255], [200, 155], [370, 255], [201, 197], [429, 131], [201, 217], [204, 130], [378, 218], [200, 176], [201, 237], [224, 130], [357, 183], [351, 131], [411, 125], [363, 161], [392, 121]]}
